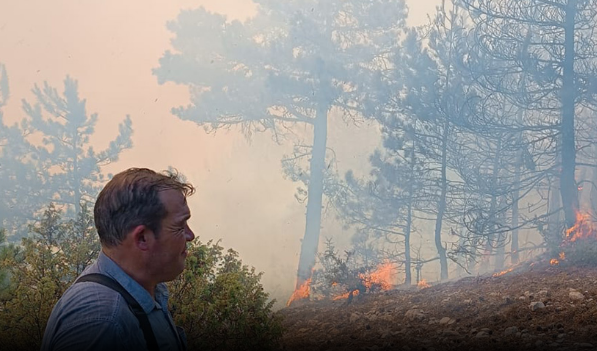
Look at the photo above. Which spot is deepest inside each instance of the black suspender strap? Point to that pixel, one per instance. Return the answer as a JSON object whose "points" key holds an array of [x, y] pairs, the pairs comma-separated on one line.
{"points": [[102, 279]]}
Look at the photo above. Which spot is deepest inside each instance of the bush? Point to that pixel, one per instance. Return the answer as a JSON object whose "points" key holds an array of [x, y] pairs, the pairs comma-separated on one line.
{"points": [[38, 272], [345, 277], [218, 301], [582, 252], [221, 304]]}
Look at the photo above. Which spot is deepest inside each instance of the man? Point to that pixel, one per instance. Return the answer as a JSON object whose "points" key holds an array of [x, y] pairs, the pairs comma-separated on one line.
{"points": [[141, 219]]}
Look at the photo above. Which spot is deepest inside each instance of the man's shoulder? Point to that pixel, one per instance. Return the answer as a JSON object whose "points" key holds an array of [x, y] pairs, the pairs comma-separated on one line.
{"points": [[89, 300], [91, 316]]}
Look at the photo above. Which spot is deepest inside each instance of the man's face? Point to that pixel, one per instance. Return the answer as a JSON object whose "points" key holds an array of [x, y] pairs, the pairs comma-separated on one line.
{"points": [[169, 252]]}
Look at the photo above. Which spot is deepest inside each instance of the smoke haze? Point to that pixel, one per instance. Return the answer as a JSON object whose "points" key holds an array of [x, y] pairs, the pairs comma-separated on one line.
{"points": [[110, 47]]}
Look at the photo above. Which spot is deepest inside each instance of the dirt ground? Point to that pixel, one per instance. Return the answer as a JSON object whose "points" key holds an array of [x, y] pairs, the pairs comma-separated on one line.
{"points": [[536, 306]]}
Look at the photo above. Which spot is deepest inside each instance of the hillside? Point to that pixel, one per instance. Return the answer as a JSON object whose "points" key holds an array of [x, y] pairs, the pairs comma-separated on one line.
{"points": [[536, 306]]}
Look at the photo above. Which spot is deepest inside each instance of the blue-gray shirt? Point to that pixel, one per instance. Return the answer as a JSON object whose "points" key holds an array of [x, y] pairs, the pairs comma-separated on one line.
{"points": [[90, 316]]}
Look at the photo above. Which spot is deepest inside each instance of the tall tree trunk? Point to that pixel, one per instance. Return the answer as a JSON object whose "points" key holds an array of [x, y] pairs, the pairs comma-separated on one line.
{"points": [[568, 188], [315, 196], [407, 255], [492, 238], [593, 196], [514, 254], [407, 231], [500, 252], [441, 206], [498, 238], [554, 225]]}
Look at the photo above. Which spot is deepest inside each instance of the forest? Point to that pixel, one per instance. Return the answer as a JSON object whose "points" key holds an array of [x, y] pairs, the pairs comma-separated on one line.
{"points": [[487, 149]]}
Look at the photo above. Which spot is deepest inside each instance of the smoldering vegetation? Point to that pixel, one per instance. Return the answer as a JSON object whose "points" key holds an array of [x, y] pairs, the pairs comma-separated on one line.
{"points": [[485, 156]]}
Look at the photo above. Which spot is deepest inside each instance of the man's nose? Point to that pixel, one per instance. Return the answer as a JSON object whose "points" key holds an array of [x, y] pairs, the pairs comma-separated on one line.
{"points": [[189, 233]]}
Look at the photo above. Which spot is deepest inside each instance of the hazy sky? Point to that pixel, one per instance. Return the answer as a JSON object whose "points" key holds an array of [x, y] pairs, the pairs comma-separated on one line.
{"points": [[110, 47]]}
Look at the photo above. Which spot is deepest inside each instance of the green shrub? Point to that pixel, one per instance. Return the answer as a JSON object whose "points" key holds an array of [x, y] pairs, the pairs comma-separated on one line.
{"points": [[218, 301], [221, 304], [38, 272]]}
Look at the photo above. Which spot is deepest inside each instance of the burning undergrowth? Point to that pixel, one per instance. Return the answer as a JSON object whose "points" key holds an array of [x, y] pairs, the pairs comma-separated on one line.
{"points": [[545, 307], [549, 302], [579, 246], [344, 276]]}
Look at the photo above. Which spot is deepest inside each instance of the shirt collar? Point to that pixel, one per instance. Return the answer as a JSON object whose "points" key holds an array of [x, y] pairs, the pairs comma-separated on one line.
{"points": [[108, 267]]}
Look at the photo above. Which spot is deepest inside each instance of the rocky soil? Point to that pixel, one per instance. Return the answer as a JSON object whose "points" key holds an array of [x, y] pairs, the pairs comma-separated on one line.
{"points": [[534, 307]]}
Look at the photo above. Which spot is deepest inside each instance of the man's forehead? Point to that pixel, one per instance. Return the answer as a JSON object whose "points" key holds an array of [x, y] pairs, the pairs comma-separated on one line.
{"points": [[175, 201], [173, 195]]}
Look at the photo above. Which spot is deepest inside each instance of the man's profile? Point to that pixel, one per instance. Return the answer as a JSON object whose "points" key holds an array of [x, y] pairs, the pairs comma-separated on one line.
{"points": [[141, 219]]}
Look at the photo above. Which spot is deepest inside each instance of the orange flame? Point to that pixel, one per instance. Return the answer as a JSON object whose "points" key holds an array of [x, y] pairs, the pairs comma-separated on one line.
{"points": [[555, 261], [382, 276], [503, 272], [423, 284], [582, 228], [302, 292], [345, 296]]}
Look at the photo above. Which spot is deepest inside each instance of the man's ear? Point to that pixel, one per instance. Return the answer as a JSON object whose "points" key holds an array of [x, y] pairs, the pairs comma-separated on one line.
{"points": [[142, 237]]}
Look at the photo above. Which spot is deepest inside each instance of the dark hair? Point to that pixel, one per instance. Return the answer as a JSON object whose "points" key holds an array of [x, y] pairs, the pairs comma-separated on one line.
{"points": [[131, 198]]}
